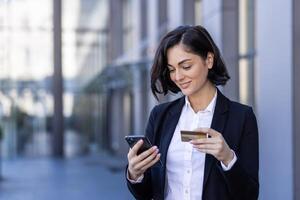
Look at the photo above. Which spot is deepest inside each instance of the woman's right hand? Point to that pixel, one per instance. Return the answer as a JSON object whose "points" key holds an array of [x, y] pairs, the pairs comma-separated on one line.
{"points": [[138, 164]]}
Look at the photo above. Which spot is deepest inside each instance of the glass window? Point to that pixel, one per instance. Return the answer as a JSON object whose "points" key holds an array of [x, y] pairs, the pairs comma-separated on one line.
{"points": [[246, 51], [127, 25], [25, 67], [198, 12]]}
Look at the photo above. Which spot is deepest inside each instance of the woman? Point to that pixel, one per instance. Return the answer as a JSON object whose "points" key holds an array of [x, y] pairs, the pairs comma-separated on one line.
{"points": [[223, 165]]}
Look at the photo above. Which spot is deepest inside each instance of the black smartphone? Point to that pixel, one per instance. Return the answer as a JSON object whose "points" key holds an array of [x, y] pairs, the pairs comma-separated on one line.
{"points": [[133, 139]]}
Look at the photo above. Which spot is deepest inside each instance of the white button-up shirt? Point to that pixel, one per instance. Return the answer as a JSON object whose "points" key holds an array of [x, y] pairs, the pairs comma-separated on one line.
{"points": [[185, 164]]}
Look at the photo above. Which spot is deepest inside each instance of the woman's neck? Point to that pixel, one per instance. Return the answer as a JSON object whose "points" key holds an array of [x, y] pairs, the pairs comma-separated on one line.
{"points": [[201, 99]]}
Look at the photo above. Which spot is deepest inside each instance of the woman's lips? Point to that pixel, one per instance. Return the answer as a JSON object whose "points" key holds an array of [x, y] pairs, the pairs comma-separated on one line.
{"points": [[184, 85]]}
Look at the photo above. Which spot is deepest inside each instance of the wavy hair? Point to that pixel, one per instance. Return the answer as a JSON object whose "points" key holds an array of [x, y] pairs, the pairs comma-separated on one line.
{"points": [[196, 40]]}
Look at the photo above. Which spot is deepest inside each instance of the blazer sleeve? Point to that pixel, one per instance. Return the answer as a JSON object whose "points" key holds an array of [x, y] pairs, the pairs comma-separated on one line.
{"points": [[242, 178], [143, 190]]}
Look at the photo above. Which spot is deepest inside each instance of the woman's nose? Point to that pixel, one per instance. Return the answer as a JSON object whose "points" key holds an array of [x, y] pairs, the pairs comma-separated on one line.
{"points": [[178, 75]]}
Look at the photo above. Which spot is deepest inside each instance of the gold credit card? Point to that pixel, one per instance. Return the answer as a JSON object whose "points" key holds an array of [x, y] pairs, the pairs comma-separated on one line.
{"points": [[186, 136]]}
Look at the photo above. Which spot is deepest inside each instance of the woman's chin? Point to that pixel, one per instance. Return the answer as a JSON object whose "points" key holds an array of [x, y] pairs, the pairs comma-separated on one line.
{"points": [[186, 92]]}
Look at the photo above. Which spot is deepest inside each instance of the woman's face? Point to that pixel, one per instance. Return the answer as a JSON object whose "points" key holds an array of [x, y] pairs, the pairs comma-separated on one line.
{"points": [[187, 70]]}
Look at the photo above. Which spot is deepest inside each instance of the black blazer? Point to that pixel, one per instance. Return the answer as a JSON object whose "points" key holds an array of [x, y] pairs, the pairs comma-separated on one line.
{"points": [[237, 123]]}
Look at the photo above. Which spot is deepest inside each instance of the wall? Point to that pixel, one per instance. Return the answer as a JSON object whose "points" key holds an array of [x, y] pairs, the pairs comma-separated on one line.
{"points": [[274, 98]]}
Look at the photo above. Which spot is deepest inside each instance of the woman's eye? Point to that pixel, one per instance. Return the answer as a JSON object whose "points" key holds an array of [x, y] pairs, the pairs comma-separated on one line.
{"points": [[171, 70], [187, 67]]}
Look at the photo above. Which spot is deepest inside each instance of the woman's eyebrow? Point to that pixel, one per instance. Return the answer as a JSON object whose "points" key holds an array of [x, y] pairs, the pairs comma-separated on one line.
{"points": [[188, 59]]}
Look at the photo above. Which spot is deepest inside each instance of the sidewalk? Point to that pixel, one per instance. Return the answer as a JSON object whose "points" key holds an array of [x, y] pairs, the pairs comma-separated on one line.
{"points": [[84, 178]]}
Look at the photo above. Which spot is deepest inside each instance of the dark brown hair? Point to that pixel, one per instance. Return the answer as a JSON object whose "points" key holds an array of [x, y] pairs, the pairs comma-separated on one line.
{"points": [[196, 40]]}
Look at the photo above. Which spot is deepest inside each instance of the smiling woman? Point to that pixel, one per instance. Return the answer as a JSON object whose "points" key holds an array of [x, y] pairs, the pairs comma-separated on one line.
{"points": [[194, 41], [223, 165], [189, 71]]}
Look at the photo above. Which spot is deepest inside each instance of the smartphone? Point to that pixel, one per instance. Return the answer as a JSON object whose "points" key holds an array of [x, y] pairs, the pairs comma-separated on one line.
{"points": [[187, 136], [133, 139]]}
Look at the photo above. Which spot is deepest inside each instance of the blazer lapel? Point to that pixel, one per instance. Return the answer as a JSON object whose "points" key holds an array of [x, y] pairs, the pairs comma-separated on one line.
{"points": [[218, 124]]}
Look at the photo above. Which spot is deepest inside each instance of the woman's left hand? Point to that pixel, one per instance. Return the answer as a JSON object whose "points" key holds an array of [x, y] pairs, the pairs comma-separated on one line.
{"points": [[214, 145]]}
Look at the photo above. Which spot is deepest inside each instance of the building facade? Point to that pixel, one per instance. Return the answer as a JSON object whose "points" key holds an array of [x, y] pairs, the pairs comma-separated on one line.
{"points": [[108, 47], [259, 41]]}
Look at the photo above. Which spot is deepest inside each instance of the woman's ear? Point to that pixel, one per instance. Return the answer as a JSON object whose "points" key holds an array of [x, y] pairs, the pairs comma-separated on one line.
{"points": [[210, 60]]}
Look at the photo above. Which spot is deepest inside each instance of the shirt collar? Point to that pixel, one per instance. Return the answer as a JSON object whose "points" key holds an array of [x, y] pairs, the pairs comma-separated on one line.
{"points": [[210, 108]]}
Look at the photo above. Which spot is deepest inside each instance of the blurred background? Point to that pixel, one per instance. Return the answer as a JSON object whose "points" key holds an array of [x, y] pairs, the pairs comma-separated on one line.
{"points": [[74, 80]]}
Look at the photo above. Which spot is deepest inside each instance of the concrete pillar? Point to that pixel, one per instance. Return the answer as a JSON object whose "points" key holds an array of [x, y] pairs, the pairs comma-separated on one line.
{"points": [[153, 33], [246, 52], [58, 118], [175, 13], [162, 17], [212, 13], [211, 20], [274, 97], [115, 32], [189, 12], [137, 100], [116, 120], [230, 47], [296, 95], [136, 21]]}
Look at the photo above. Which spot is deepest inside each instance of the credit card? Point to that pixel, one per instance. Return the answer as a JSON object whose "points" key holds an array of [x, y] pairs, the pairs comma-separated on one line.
{"points": [[186, 136]]}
